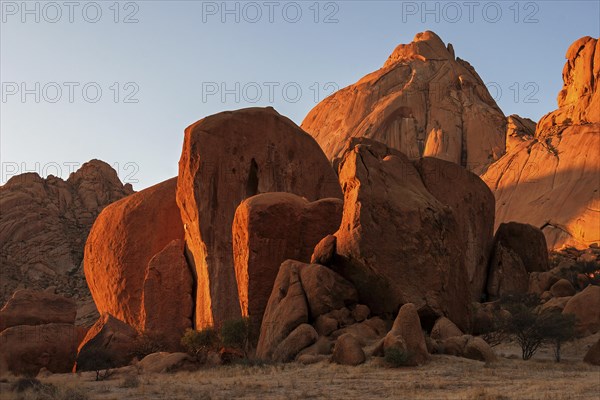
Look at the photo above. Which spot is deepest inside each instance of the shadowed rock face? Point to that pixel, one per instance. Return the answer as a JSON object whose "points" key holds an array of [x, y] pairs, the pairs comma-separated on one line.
{"points": [[397, 242], [423, 102], [551, 181], [44, 224], [227, 158]]}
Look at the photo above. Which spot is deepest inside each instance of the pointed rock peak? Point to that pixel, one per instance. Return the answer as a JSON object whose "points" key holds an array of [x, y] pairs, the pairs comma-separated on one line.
{"points": [[425, 46]]}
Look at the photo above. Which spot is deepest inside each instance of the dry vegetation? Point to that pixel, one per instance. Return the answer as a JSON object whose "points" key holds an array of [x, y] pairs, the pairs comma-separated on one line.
{"points": [[445, 377]]}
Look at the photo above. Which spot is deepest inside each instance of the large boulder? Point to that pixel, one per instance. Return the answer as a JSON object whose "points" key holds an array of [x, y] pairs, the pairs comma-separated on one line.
{"points": [[326, 290], [444, 329], [507, 273], [397, 242], [585, 305], [551, 180], [302, 293], [472, 203], [407, 330], [164, 362], [269, 229], [44, 223], [527, 242], [299, 339], [347, 351], [227, 158], [123, 240], [109, 343], [167, 300], [423, 102], [30, 307], [25, 349]]}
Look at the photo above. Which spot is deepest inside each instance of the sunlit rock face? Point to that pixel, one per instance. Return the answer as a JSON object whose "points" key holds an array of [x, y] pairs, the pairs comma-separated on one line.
{"points": [[424, 102], [552, 180], [134, 261], [227, 158]]}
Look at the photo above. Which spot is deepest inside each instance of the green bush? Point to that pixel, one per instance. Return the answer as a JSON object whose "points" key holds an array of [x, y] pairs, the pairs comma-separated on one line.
{"points": [[200, 342], [236, 333], [396, 357]]}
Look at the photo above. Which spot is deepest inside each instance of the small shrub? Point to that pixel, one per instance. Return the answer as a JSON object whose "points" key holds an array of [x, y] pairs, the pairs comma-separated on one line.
{"points": [[148, 343], [23, 384], [532, 329], [236, 334], [557, 328], [198, 343], [397, 357]]}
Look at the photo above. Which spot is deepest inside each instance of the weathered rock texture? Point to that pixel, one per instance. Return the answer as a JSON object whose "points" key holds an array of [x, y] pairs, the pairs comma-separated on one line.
{"points": [[518, 130], [519, 249], [119, 249], [25, 349], [44, 224], [227, 158], [167, 301], [301, 294], [423, 102], [473, 205], [108, 344], [269, 229], [30, 307], [399, 244], [551, 180]]}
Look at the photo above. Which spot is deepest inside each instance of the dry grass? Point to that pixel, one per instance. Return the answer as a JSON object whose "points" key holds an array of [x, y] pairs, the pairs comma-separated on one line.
{"points": [[444, 377]]}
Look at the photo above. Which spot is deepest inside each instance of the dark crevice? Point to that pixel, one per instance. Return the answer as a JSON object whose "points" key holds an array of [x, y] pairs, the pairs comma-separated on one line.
{"points": [[252, 182]]}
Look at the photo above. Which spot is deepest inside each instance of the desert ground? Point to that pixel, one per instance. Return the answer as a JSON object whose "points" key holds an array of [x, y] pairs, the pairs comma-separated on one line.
{"points": [[443, 378]]}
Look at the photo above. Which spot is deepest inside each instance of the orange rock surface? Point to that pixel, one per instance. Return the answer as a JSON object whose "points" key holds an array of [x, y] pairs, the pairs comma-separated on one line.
{"points": [[124, 238], [269, 229], [424, 102], [552, 180], [227, 158]]}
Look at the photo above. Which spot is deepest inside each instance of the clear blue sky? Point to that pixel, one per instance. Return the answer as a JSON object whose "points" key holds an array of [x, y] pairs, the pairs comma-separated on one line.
{"points": [[179, 55]]}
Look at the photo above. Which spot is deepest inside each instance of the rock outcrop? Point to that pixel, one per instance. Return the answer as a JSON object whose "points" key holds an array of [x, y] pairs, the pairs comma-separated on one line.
{"points": [[227, 158], [118, 253], [44, 224], [473, 206], [25, 349], [585, 305], [407, 335], [30, 307], [302, 294], [397, 242], [424, 102], [269, 229], [108, 344], [518, 130], [551, 180], [519, 249]]}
